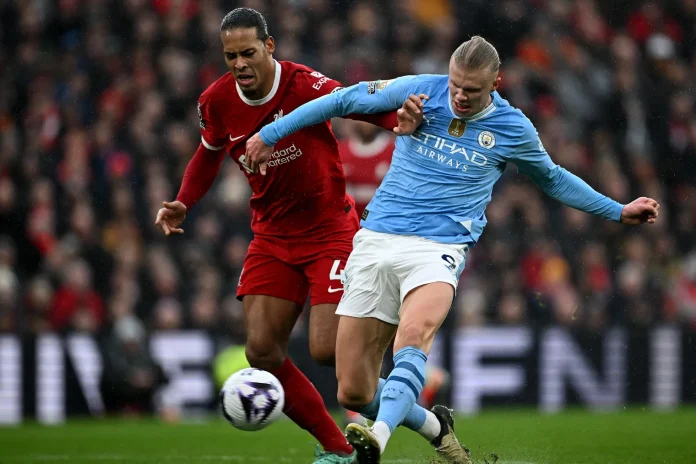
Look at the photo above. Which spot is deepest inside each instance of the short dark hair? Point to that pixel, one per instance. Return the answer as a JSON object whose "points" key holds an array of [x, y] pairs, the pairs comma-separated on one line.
{"points": [[245, 18]]}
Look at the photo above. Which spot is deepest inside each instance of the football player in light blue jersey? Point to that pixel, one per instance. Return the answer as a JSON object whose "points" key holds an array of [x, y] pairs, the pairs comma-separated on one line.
{"points": [[429, 210]]}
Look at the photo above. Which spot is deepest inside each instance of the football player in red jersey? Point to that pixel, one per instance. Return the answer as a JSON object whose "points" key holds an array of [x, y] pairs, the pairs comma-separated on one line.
{"points": [[303, 220], [366, 155]]}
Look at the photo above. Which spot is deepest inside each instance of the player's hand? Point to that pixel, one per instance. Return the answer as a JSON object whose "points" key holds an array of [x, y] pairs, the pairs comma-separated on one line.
{"points": [[410, 115], [170, 217], [639, 211], [258, 154]]}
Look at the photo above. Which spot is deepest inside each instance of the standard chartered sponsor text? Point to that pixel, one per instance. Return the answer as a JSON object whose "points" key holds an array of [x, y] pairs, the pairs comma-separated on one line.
{"points": [[284, 156]]}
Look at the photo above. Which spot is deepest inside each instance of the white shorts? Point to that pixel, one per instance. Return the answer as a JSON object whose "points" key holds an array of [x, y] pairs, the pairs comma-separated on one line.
{"points": [[384, 268]]}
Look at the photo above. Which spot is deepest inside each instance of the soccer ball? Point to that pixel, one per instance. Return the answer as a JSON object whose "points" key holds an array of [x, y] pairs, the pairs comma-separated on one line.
{"points": [[252, 399]]}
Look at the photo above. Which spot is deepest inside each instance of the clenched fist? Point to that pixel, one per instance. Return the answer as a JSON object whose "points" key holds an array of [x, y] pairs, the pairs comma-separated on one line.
{"points": [[639, 211]]}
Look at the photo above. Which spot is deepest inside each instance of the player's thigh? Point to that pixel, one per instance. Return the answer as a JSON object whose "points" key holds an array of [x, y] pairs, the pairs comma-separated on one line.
{"points": [[268, 322], [422, 313], [325, 263], [272, 295], [371, 288], [323, 327], [360, 346], [429, 274]]}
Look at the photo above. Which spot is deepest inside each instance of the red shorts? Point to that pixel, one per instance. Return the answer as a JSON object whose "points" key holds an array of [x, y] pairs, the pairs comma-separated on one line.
{"points": [[291, 270]]}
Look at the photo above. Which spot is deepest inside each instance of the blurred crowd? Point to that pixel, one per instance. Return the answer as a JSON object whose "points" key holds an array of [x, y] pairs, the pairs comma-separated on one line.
{"points": [[98, 121]]}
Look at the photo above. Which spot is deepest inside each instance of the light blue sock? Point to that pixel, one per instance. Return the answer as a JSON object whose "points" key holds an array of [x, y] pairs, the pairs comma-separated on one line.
{"points": [[370, 410], [414, 420], [402, 388]]}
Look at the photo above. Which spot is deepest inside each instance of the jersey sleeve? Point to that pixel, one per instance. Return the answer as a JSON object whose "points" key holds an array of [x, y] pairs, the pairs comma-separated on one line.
{"points": [[213, 133], [531, 158], [363, 98], [319, 85], [199, 175]]}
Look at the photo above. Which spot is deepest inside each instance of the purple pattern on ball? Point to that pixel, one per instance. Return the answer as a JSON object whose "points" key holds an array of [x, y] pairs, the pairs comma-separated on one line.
{"points": [[260, 389]]}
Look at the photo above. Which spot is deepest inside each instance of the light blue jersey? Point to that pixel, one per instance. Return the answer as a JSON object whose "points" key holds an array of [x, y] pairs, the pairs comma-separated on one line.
{"points": [[441, 177]]}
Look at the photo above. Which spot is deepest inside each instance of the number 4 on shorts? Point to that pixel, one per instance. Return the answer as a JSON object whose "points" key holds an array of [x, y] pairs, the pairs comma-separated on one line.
{"points": [[335, 274]]}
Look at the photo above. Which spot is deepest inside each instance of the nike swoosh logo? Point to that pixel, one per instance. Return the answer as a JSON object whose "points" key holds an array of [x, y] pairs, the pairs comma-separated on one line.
{"points": [[236, 138], [334, 290]]}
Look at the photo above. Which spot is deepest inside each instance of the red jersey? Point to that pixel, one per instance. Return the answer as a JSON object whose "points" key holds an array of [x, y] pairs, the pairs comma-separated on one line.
{"points": [[365, 164], [304, 191]]}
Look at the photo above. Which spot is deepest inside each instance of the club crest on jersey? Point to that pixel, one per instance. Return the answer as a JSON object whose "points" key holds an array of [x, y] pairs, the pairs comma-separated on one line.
{"points": [[486, 140], [381, 85], [278, 115], [456, 127], [201, 121]]}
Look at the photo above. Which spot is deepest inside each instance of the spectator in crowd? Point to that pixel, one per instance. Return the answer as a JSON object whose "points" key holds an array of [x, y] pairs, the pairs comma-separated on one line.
{"points": [[130, 377], [37, 305], [76, 304]]}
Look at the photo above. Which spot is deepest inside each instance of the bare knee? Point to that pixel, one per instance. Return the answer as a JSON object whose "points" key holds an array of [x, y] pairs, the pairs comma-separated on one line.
{"points": [[354, 396], [360, 346], [264, 355]]}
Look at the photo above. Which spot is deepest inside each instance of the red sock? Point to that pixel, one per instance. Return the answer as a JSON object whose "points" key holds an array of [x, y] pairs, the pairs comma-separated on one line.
{"points": [[427, 397], [305, 407]]}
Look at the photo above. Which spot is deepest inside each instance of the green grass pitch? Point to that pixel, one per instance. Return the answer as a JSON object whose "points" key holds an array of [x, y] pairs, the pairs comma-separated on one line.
{"points": [[518, 437]]}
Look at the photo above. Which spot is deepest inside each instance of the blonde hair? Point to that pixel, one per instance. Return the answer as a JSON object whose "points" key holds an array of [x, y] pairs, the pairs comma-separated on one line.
{"points": [[477, 53]]}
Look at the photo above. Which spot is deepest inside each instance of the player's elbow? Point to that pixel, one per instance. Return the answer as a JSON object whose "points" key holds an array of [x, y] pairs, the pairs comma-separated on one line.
{"points": [[548, 184], [338, 108], [343, 102]]}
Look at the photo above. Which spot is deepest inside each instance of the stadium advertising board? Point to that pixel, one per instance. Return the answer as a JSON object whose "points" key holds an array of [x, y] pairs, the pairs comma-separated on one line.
{"points": [[50, 377]]}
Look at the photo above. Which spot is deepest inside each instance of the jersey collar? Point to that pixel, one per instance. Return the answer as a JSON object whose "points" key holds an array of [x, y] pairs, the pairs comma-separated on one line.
{"points": [[271, 94], [481, 114]]}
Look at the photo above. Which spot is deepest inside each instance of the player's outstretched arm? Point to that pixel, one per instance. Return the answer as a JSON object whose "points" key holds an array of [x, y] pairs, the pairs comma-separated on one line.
{"points": [[575, 192], [363, 98], [404, 121], [532, 159]]}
